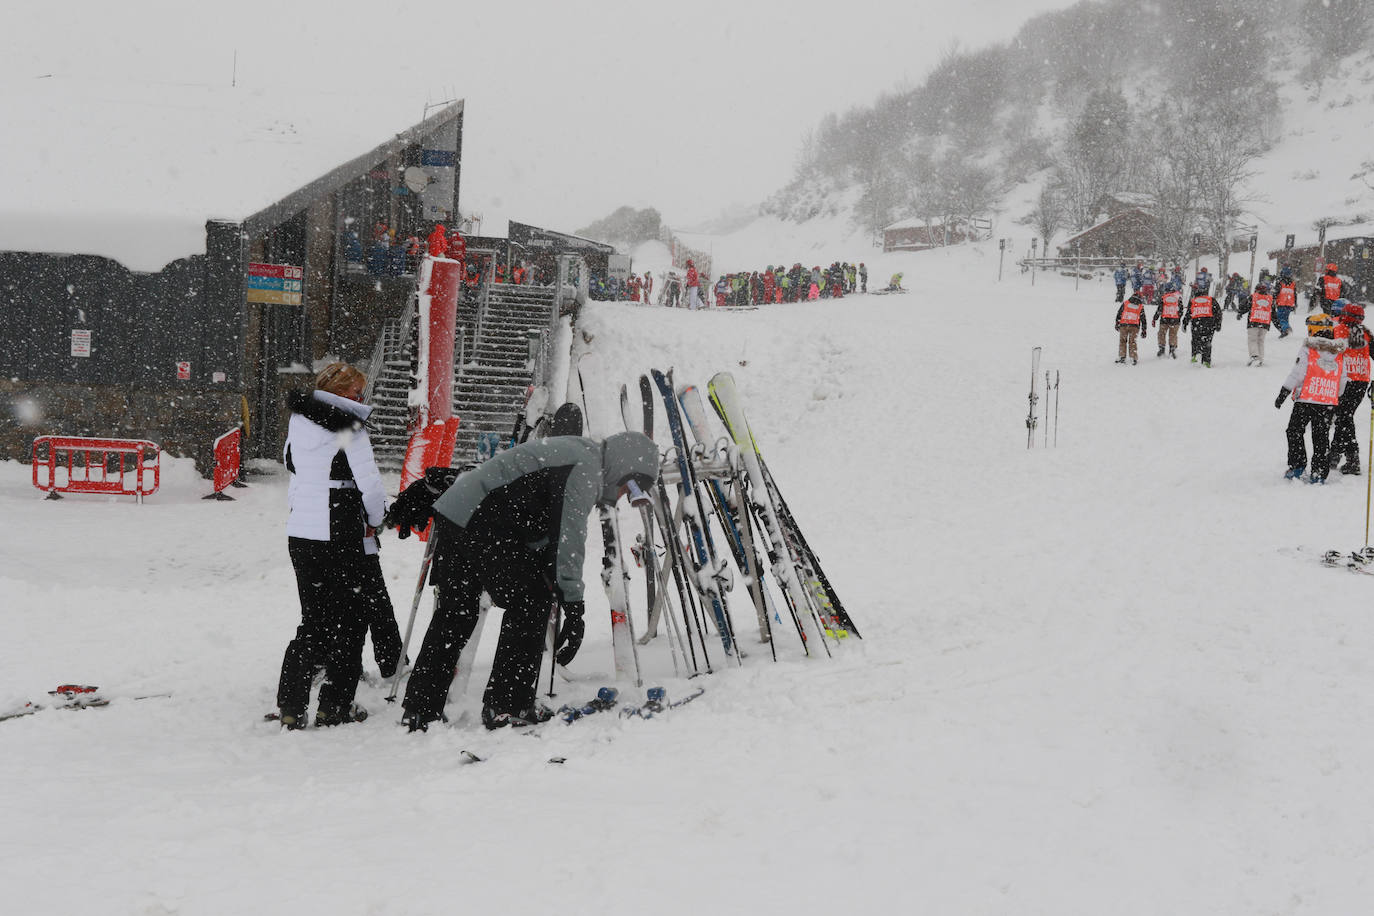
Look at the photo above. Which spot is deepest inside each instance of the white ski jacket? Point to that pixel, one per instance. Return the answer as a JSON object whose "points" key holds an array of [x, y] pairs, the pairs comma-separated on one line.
{"points": [[335, 485]]}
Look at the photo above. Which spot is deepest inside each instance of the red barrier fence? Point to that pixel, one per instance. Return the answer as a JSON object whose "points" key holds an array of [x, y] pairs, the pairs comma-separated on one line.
{"points": [[115, 467], [228, 461]]}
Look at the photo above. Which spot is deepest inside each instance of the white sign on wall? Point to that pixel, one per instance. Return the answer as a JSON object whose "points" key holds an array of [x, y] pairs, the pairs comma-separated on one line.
{"points": [[81, 342]]}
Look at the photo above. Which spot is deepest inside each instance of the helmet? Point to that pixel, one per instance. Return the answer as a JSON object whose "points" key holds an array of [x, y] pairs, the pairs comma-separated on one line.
{"points": [[1353, 313], [1331, 268], [1317, 324]]}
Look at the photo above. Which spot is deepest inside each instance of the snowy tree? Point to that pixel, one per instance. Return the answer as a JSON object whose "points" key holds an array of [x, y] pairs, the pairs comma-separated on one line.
{"points": [[1047, 218]]}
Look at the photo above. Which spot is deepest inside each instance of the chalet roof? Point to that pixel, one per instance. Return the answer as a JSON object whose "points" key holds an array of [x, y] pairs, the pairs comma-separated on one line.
{"points": [[1092, 230], [135, 170]]}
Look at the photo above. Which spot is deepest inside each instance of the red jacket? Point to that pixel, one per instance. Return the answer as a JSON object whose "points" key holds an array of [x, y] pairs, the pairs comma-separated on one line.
{"points": [[692, 276]]}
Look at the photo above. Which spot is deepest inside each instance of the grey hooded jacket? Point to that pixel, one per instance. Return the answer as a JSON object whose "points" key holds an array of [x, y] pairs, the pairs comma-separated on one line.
{"points": [[541, 493]]}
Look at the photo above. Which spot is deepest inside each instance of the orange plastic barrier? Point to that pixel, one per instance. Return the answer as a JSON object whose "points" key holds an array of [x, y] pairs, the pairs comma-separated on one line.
{"points": [[428, 448], [115, 467], [228, 461]]}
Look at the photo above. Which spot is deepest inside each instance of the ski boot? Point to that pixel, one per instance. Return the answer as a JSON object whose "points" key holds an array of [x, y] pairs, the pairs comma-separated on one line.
{"points": [[1194, 357], [1160, 353], [292, 721], [1207, 363], [1173, 352], [328, 718], [1134, 361], [1294, 473], [1121, 361], [420, 722], [493, 720], [1317, 480]]}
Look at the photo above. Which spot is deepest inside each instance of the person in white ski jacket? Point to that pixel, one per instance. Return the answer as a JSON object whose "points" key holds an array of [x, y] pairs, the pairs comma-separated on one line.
{"points": [[1315, 384], [335, 502]]}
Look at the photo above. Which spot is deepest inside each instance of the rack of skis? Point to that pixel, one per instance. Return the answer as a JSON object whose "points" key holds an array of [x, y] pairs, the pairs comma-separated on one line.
{"points": [[716, 535]]}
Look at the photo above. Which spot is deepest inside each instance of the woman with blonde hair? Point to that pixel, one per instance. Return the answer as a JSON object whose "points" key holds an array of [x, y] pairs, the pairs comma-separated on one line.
{"points": [[335, 502]]}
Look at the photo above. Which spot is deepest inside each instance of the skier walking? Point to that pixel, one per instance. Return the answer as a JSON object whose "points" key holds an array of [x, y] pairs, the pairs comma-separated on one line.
{"points": [[1330, 288], [335, 499], [1315, 384], [1130, 322], [516, 528], [1285, 300], [1120, 276], [1355, 370], [1168, 314], [1257, 322], [1206, 319], [863, 278]]}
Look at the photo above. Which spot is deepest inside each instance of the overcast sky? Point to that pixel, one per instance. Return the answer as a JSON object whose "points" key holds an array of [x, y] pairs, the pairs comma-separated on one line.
{"points": [[573, 108]]}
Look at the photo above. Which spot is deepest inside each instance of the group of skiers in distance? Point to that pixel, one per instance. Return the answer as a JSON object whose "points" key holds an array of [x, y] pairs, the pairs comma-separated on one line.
{"points": [[1329, 378]]}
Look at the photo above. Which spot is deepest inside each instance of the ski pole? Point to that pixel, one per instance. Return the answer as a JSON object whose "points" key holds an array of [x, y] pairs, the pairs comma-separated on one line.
{"points": [[1047, 408], [1369, 482], [1056, 408], [414, 609]]}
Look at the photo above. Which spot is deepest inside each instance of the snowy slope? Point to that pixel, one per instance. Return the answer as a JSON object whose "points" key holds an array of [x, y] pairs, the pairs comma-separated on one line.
{"points": [[1094, 679]]}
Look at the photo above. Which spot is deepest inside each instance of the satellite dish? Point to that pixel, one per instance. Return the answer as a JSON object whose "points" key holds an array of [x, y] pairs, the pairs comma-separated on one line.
{"points": [[416, 178]]}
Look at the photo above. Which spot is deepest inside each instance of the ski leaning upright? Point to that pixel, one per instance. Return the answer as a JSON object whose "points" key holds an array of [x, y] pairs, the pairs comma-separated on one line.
{"points": [[725, 398], [707, 566], [1034, 398]]}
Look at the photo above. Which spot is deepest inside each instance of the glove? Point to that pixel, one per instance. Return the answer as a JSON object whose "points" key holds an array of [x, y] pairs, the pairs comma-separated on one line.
{"points": [[414, 507], [1143, 333], [1154, 323], [570, 633], [1283, 396]]}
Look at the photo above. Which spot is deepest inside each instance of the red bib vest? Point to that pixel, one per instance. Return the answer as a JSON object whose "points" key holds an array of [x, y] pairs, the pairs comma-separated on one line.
{"points": [[1320, 385], [1201, 307], [1170, 301], [1130, 313], [1261, 308], [1331, 287], [1357, 361], [1288, 297]]}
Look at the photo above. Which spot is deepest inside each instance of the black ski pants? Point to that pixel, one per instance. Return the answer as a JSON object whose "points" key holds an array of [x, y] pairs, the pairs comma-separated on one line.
{"points": [[1318, 416], [333, 625], [1343, 441], [1202, 342], [519, 582], [381, 616]]}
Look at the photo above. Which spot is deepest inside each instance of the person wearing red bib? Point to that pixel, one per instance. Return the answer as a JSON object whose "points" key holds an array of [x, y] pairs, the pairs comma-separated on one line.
{"points": [[1355, 372], [1315, 384], [1205, 315], [1330, 288], [1168, 314], [1130, 321], [1258, 316]]}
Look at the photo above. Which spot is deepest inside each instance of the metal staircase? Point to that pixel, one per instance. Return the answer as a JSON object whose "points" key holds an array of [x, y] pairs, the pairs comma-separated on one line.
{"points": [[494, 365], [489, 390]]}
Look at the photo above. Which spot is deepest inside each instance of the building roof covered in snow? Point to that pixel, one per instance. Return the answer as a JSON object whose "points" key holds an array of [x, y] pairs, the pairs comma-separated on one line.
{"points": [[133, 171]]}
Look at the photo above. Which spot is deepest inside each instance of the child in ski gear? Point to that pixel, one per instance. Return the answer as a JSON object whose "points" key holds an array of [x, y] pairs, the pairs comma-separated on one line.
{"points": [[1130, 322], [895, 283], [1120, 276], [1206, 318], [693, 287], [1168, 314], [516, 528], [1330, 288], [1285, 300], [863, 278], [1315, 384], [335, 500], [1355, 372], [1258, 316]]}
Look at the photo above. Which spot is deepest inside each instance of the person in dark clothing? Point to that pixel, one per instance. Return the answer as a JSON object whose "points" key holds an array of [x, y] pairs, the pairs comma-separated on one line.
{"points": [[1120, 276], [515, 527], [336, 500], [1130, 321], [1206, 318], [863, 278], [1355, 374]]}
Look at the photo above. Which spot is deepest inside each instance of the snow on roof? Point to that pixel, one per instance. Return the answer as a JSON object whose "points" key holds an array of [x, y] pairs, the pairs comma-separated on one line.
{"points": [[133, 171], [915, 222]]}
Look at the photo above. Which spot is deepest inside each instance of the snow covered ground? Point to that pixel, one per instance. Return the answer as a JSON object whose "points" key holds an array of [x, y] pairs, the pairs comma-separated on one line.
{"points": [[1094, 678]]}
